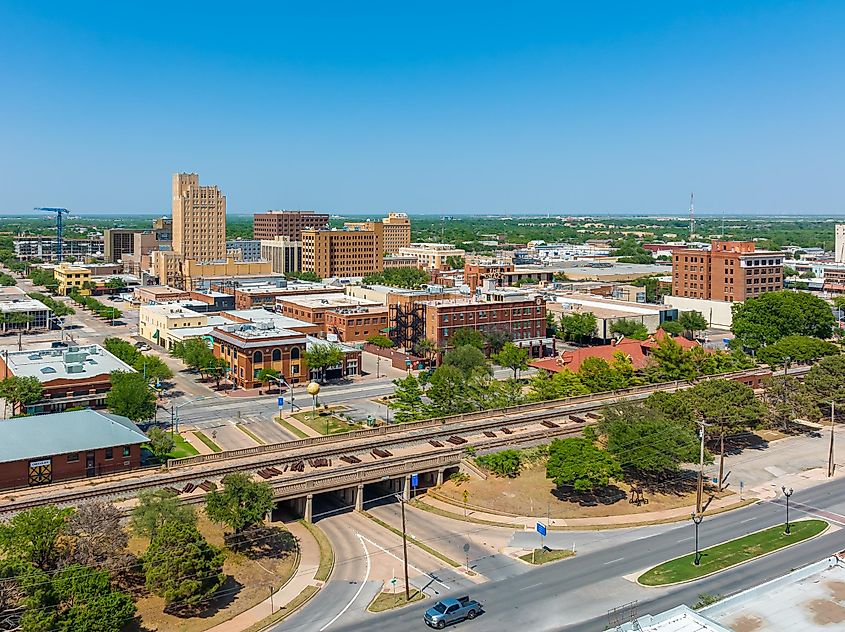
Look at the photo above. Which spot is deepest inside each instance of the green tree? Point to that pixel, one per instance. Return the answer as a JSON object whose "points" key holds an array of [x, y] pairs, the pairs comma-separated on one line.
{"points": [[322, 356], [825, 382], [455, 262], [672, 327], [410, 278], [241, 503], [21, 392], [194, 352], [670, 361], [789, 271], [303, 276], [466, 336], [75, 598], [646, 443], [182, 567], [578, 464], [467, 358], [152, 367], [764, 320], [122, 349], [130, 396], [546, 386], [424, 349], [692, 322], [578, 325], [32, 536], [268, 376], [506, 463], [115, 283], [598, 375], [496, 340], [161, 443], [448, 392], [7, 280], [216, 368], [786, 399], [629, 329], [512, 357], [407, 400], [381, 341], [796, 348], [156, 508]]}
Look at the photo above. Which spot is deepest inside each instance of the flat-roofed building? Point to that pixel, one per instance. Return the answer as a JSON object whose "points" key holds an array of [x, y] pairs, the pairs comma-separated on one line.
{"points": [[312, 308], [45, 449], [71, 278], [244, 249], [44, 247], [343, 253], [119, 242], [72, 376], [477, 269], [267, 295], [160, 294], [289, 224], [21, 313], [431, 256], [608, 311], [396, 230], [284, 254], [400, 261], [730, 271], [199, 219], [356, 324], [157, 322]]}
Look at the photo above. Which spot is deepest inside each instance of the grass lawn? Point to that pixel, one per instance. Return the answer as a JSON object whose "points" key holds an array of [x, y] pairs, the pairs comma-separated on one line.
{"points": [[181, 448], [386, 601], [293, 429], [729, 553], [212, 446], [324, 570], [542, 556], [318, 423]]}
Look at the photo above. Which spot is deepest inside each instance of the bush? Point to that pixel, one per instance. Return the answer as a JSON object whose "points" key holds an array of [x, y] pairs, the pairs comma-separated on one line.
{"points": [[505, 463]]}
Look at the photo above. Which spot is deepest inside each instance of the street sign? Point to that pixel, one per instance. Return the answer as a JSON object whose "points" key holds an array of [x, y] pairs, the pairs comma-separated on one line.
{"points": [[281, 401], [541, 529], [415, 480]]}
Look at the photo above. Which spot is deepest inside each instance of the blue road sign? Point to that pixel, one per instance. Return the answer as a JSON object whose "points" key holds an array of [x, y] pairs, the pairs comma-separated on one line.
{"points": [[415, 480], [281, 401], [541, 529]]}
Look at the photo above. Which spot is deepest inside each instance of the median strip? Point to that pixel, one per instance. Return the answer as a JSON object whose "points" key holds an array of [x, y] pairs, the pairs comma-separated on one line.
{"points": [[440, 556], [731, 553]]}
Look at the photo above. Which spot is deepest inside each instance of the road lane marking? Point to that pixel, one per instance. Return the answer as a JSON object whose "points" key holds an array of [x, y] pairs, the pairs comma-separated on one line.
{"points": [[360, 588], [612, 561], [411, 566], [531, 586], [747, 520], [685, 539]]}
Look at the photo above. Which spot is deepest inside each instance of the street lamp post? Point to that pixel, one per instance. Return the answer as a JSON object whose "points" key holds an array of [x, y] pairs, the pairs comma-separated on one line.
{"points": [[401, 500], [697, 518], [787, 493]]}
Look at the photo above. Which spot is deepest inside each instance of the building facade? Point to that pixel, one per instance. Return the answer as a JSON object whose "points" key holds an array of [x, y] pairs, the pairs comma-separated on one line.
{"points": [[343, 253], [396, 230], [289, 224], [119, 242], [432, 256], [45, 449], [19, 312], [44, 248], [313, 308], [249, 249], [284, 254], [839, 244], [477, 269], [356, 324], [70, 277], [199, 219], [730, 271]]}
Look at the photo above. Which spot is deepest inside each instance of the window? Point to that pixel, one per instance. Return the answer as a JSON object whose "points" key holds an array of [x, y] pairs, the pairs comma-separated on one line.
{"points": [[277, 355], [257, 357], [73, 458], [126, 450], [109, 454], [294, 353]]}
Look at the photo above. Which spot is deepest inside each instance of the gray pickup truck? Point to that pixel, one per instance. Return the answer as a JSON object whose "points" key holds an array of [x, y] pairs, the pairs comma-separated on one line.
{"points": [[448, 611]]}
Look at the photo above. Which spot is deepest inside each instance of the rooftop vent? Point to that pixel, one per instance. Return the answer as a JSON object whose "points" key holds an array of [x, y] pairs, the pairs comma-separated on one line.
{"points": [[76, 367]]}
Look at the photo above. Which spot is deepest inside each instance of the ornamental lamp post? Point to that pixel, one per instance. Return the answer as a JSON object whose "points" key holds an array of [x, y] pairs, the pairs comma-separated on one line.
{"points": [[787, 493], [697, 518]]}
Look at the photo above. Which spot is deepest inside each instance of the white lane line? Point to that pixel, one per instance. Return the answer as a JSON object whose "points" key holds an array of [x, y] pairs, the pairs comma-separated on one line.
{"points": [[747, 520], [360, 588], [613, 561], [411, 566], [685, 539], [532, 586]]}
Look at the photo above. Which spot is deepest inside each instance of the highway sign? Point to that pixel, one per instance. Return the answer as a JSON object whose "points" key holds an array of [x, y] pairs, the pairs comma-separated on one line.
{"points": [[415, 480], [281, 401], [541, 529]]}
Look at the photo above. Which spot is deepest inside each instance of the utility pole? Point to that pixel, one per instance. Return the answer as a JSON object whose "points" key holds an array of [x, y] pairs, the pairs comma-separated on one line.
{"points": [[830, 464], [404, 548]]}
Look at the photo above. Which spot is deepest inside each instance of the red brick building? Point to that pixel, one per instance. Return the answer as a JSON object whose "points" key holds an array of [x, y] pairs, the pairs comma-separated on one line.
{"points": [[477, 269], [356, 324], [289, 223], [43, 449]]}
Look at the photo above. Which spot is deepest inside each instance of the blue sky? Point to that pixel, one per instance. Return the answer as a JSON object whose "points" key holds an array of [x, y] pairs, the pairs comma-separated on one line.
{"points": [[426, 107]]}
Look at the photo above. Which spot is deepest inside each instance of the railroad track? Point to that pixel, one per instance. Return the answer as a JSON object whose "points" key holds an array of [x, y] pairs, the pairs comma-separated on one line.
{"points": [[198, 469]]}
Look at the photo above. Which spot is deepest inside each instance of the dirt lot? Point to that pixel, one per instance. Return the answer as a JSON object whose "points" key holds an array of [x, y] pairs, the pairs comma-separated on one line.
{"points": [[532, 494], [248, 584]]}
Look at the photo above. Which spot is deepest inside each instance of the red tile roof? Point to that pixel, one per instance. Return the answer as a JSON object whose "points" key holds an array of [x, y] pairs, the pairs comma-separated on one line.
{"points": [[637, 350]]}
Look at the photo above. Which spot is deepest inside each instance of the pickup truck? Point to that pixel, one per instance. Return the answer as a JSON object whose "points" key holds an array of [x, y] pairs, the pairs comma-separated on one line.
{"points": [[448, 611]]}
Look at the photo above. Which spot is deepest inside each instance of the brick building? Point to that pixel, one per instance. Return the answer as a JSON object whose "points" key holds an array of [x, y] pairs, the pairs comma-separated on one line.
{"points": [[343, 253], [356, 324], [119, 242], [730, 271], [70, 377], [290, 224], [44, 449], [476, 269], [199, 219], [396, 230], [313, 308]]}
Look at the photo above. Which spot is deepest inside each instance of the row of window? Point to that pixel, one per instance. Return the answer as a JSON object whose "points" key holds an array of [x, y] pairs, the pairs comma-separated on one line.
{"points": [[73, 457]]}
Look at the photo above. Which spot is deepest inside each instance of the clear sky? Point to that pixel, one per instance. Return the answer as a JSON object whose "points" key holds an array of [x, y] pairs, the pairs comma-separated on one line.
{"points": [[457, 107]]}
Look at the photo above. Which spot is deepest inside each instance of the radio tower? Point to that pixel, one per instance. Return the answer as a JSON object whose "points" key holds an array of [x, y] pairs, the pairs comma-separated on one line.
{"points": [[691, 215]]}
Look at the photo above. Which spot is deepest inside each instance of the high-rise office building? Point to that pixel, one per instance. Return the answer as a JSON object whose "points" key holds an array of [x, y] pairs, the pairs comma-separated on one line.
{"points": [[274, 224], [839, 248], [343, 253], [199, 219], [284, 255], [396, 228], [119, 242]]}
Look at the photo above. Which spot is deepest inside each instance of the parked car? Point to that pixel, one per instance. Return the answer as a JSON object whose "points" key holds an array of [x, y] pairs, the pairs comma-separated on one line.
{"points": [[448, 611], [142, 346]]}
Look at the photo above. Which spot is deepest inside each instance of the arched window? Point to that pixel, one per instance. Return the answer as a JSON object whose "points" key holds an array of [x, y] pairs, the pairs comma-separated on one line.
{"points": [[277, 355], [294, 353], [257, 358]]}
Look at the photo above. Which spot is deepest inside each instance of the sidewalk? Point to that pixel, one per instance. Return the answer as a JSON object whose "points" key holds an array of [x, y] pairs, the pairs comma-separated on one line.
{"points": [[308, 430], [198, 445], [309, 562]]}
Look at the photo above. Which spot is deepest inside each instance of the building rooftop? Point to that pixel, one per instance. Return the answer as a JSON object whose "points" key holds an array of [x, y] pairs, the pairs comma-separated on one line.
{"points": [[609, 307], [11, 292], [327, 300], [73, 363], [263, 316], [680, 619], [257, 333], [9, 304], [177, 309], [62, 433]]}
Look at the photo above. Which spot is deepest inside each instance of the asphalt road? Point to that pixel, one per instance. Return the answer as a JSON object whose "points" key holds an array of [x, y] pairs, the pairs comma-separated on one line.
{"points": [[578, 593]]}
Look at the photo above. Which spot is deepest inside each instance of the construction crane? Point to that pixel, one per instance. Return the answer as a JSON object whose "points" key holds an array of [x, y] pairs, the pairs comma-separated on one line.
{"points": [[59, 212]]}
